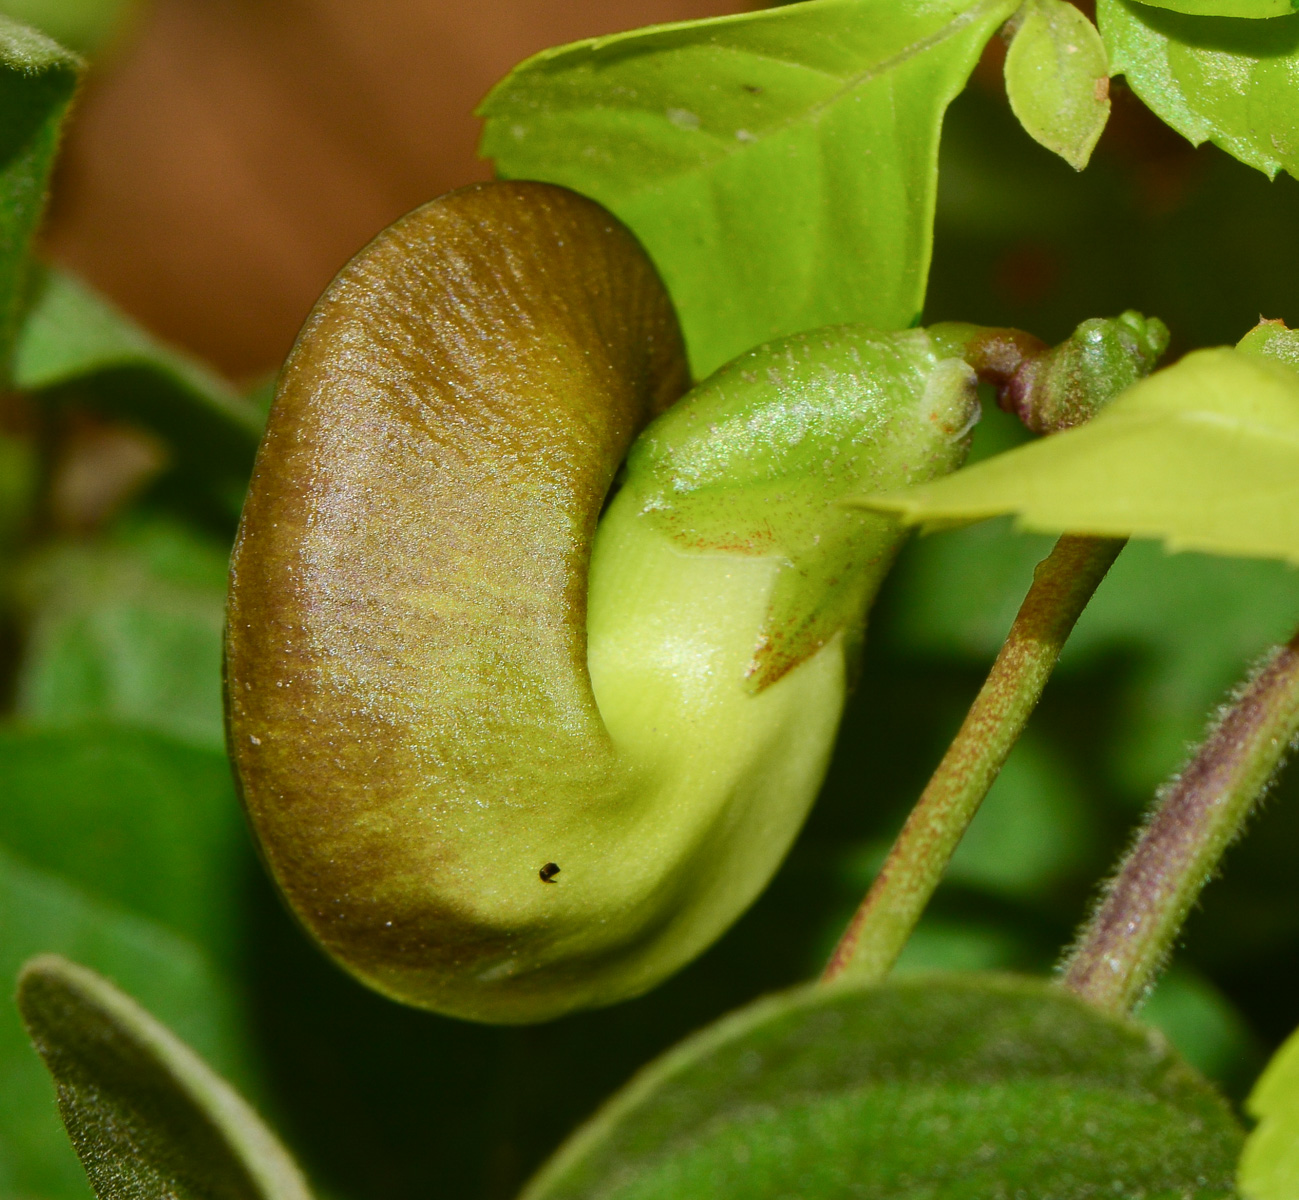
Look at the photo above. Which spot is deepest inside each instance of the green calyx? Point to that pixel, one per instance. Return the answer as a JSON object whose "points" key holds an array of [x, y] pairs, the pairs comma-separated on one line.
{"points": [[505, 764], [755, 461], [1056, 388]]}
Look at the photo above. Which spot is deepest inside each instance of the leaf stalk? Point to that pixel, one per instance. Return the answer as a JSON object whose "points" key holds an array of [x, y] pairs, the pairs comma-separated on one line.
{"points": [[1196, 816], [1063, 583]]}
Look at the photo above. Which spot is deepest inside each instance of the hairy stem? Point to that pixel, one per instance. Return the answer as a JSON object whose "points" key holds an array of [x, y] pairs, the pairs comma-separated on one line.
{"points": [[1062, 584], [1196, 817]]}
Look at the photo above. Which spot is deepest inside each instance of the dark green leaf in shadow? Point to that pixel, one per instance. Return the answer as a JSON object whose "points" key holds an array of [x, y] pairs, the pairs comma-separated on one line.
{"points": [[127, 629], [1202, 1023], [37, 79], [780, 166], [1269, 1167], [137, 819], [149, 1119], [41, 912], [947, 1088], [1184, 626], [1034, 830], [1232, 82], [74, 344], [1204, 455]]}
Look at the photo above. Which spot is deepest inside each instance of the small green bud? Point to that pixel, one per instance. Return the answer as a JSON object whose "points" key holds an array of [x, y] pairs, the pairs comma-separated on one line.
{"points": [[1072, 382], [757, 461]]}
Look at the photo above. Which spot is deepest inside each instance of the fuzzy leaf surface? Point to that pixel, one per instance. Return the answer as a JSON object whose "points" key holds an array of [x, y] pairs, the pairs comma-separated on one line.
{"points": [[1230, 81], [37, 79], [147, 1116], [1057, 80], [779, 166], [946, 1088], [1204, 455], [1269, 1167], [41, 912]]}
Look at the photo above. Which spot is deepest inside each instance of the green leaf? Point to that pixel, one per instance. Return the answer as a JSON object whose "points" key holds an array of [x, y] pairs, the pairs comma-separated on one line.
{"points": [[779, 166], [128, 629], [39, 912], [83, 25], [1269, 1166], [137, 819], [1232, 82], [37, 79], [1228, 8], [74, 344], [946, 1088], [1271, 339], [1204, 455], [147, 1116], [1058, 79], [1201, 1022]]}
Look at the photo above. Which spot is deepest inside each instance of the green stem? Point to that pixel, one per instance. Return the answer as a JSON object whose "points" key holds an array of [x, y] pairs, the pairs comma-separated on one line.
{"points": [[1062, 584], [1198, 814]]}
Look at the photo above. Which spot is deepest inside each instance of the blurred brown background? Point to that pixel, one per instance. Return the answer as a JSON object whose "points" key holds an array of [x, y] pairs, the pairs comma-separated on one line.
{"points": [[230, 155]]}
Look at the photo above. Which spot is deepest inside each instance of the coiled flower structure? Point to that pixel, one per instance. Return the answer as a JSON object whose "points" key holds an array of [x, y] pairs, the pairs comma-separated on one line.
{"points": [[518, 732]]}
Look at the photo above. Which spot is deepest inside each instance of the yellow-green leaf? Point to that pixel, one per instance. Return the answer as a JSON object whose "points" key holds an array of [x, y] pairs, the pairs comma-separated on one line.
{"points": [[1204, 455], [1057, 79], [1269, 1166], [780, 166], [1225, 80]]}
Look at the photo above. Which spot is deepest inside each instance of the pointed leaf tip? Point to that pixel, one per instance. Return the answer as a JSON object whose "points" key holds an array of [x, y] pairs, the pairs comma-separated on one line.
{"points": [[149, 1119]]}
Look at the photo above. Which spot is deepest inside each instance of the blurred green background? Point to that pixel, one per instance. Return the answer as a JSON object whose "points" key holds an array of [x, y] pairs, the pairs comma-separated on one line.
{"points": [[121, 843]]}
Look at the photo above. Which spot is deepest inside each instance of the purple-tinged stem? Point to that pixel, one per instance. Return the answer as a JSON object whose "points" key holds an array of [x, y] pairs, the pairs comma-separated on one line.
{"points": [[1196, 817]]}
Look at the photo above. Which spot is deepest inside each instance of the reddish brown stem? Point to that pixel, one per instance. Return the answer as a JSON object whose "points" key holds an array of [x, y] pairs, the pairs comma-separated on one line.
{"points": [[1196, 817]]}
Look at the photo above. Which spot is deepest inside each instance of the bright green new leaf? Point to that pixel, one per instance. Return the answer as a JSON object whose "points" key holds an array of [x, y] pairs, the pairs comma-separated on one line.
{"points": [[127, 629], [1228, 8], [950, 1088], [1269, 1167], [147, 1116], [1231, 82], [75, 344], [41, 912], [780, 166], [37, 79], [1204, 455], [1058, 79]]}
